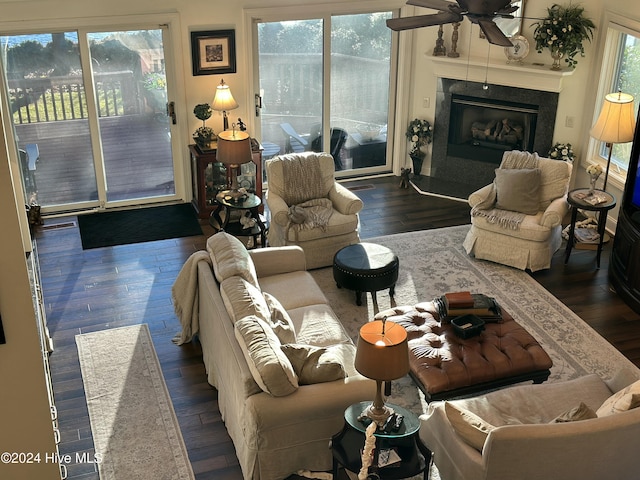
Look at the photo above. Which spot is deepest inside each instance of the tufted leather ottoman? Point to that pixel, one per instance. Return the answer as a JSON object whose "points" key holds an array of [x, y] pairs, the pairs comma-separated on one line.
{"points": [[366, 267], [446, 366]]}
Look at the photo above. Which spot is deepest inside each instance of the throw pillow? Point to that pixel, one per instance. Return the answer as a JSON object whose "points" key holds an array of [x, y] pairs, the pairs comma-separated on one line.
{"points": [[269, 366], [313, 364], [229, 257], [280, 321], [581, 412], [471, 428], [621, 401], [241, 299], [517, 189]]}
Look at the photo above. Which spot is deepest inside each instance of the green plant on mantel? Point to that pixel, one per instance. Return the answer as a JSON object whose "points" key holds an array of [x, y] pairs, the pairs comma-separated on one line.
{"points": [[563, 32]]}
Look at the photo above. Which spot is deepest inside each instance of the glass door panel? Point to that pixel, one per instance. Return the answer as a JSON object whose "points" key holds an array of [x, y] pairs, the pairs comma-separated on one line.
{"points": [[49, 108], [131, 94], [360, 75], [290, 70]]}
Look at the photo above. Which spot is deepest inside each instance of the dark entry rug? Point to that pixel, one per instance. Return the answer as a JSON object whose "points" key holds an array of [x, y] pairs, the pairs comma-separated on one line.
{"points": [[106, 229]]}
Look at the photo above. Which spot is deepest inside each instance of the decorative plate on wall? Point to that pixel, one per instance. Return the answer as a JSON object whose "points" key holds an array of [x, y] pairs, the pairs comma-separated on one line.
{"points": [[519, 50]]}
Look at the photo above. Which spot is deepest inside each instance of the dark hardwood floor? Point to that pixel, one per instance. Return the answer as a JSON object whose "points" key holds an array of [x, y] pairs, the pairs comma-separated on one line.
{"points": [[110, 287]]}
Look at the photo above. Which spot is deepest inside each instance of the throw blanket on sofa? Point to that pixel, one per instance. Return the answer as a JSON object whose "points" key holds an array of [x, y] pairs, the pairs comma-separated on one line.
{"points": [[313, 213], [184, 293], [303, 179], [505, 218]]}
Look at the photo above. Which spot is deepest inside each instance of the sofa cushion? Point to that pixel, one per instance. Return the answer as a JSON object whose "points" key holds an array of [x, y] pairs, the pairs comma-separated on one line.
{"points": [[293, 289], [270, 367], [280, 321], [241, 299], [230, 258], [471, 428], [517, 190], [580, 412], [621, 401], [314, 364], [318, 325]]}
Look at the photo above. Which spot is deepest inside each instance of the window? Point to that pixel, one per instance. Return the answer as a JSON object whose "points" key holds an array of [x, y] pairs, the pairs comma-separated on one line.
{"points": [[621, 73], [324, 85]]}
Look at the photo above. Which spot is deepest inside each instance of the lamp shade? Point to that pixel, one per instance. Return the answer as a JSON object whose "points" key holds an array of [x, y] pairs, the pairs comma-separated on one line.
{"points": [[383, 351], [223, 100], [616, 122], [234, 147]]}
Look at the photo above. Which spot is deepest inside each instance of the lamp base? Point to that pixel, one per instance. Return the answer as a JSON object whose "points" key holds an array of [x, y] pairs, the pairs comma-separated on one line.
{"points": [[378, 414]]}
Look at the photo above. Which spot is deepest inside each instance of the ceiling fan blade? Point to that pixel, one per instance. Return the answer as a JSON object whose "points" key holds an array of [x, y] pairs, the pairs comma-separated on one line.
{"points": [[506, 11], [494, 34], [407, 23], [487, 7], [442, 5]]}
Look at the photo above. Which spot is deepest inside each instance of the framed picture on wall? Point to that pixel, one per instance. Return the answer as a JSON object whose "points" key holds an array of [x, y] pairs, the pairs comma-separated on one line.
{"points": [[213, 52]]}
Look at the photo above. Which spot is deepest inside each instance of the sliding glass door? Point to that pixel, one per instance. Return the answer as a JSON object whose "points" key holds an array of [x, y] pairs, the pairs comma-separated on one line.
{"points": [[89, 117], [324, 86]]}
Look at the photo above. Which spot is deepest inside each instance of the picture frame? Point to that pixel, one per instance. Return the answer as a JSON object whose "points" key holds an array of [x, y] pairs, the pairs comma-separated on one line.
{"points": [[213, 52]]}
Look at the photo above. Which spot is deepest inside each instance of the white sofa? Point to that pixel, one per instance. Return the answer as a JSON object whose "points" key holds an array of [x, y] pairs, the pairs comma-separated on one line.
{"points": [[274, 436], [525, 445]]}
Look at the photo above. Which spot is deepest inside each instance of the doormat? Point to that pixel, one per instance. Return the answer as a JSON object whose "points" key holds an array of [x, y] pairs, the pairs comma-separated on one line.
{"points": [[106, 229]]}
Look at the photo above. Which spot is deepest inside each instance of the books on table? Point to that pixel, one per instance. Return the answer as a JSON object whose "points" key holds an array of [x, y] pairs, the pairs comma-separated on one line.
{"points": [[455, 304]]}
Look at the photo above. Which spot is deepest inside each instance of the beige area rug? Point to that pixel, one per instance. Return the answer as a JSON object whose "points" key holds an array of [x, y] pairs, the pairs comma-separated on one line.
{"points": [[433, 262], [135, 429]]}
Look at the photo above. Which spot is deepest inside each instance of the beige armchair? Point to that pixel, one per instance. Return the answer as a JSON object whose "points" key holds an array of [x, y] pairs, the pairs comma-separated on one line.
{"points": [[309, 208], [535, 432], [517, 220]]}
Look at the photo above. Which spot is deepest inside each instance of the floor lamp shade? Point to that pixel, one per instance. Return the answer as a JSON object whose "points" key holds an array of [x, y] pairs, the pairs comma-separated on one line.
{"points": [[615, 124], [234, 149], [223, 101]]}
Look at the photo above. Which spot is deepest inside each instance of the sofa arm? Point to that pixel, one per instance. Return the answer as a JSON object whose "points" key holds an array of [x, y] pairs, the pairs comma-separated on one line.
{"points": [[555, 212], [276, 260], [344, 200], [278, 208], [484, 194]]}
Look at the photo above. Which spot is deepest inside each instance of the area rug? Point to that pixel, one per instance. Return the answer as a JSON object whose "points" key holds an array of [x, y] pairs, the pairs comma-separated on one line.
{"points": [[433, 262], [135, 429], [106, 229]]}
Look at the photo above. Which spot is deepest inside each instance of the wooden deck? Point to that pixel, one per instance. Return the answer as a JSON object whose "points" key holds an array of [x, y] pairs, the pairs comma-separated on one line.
{"points": [[137, 156]]}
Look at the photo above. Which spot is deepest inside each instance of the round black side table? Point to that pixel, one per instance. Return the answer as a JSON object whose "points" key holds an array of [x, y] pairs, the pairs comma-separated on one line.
{"points": [[580, 198], [346, 446], [366, 267], [250, 202]]}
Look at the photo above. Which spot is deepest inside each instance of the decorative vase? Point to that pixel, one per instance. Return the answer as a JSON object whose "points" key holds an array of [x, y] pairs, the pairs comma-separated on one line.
{"points": [[592, 182], [417, 164], [557, 56]]}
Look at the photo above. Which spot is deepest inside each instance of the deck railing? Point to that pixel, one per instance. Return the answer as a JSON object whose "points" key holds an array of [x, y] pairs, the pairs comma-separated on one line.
{"points": [[35, 100]]}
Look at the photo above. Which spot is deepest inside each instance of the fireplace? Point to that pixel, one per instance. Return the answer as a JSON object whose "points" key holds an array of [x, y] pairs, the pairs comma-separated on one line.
{"points": [[475, 125]]}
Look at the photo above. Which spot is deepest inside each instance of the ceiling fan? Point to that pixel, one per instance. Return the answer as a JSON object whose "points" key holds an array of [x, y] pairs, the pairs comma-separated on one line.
{"points": [[481, 12]]}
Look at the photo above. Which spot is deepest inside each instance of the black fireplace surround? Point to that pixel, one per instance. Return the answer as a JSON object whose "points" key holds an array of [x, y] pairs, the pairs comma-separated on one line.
{"points": [[475, 125]]}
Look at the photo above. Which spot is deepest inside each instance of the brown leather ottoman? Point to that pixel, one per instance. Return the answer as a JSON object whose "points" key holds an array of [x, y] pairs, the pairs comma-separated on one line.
{"points": [[446, 366]]}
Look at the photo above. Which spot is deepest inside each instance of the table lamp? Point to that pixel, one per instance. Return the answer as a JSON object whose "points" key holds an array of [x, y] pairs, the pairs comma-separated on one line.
{"points": [[382, 355], [234, 149], [223, 101], [615, 124]]}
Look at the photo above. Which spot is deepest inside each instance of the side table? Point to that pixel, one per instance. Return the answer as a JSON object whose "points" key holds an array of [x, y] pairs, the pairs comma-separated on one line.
{"points": [[346, 446], [250, 203], [576, 198]]}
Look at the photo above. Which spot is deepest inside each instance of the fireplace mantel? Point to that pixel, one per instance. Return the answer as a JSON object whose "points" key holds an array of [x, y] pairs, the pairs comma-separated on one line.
{"points": [[525, 75]]}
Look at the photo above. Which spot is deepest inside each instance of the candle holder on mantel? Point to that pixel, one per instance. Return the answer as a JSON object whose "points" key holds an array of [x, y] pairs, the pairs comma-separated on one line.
{"points": [[440, 50], [454, 41]]}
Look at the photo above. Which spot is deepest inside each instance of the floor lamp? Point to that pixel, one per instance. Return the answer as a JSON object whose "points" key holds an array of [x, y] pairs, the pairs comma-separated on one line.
{"points": [[223, 101], [615, 124]]}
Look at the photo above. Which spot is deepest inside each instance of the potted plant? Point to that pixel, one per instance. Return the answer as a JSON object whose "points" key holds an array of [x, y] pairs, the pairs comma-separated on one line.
{"points": [[419, 132], [204, 135], [563, 32], [562, 151]]}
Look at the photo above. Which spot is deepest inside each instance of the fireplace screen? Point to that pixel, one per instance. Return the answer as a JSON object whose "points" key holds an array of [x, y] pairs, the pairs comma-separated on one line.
{"points": [[482, 129]]}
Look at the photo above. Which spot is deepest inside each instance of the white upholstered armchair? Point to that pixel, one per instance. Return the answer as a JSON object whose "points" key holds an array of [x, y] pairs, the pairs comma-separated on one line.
{"points": [[309, 208], [517, 220]]}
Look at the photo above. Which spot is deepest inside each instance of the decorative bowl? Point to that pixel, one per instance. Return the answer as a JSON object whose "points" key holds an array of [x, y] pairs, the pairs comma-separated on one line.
{"points": [[369, 131]]}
